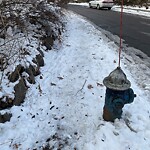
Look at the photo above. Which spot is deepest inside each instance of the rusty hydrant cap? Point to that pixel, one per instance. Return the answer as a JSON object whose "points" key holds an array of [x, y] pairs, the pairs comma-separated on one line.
{"points": [[117, 80]]}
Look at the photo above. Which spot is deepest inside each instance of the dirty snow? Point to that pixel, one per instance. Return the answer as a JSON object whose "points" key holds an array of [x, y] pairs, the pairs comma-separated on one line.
{"points": [[65, 106]]}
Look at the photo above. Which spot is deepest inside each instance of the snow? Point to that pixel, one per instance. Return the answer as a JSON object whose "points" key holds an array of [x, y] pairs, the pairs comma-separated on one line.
{"points": [[66, 103], [134, 10], [141, 11]]}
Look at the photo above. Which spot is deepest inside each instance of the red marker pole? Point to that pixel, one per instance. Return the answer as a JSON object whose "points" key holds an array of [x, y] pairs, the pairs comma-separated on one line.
{"points": [[121, 18]]}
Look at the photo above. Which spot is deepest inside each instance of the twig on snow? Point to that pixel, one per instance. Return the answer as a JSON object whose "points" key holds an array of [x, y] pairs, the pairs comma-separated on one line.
{"points": [[129, 126], [81, 88]]}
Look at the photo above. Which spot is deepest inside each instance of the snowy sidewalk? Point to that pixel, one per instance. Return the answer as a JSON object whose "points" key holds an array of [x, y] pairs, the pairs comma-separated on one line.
{"points": [[65, 105]]}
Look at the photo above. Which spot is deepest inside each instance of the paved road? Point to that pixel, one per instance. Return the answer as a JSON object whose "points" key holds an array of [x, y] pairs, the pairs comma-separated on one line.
{"points": [[136, 30]]}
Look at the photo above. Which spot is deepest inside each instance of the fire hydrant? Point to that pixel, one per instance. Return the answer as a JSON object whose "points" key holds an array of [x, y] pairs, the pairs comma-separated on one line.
{"points": [[118, 93]]}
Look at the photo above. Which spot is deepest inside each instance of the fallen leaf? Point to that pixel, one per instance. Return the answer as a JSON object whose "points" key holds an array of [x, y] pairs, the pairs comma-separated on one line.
{"points": [[60, 78], [90, 86], [99, 84], [53, 84]]}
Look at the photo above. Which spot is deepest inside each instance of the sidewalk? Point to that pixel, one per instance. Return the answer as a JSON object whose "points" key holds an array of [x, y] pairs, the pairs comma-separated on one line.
{"points": [[64, 107]]}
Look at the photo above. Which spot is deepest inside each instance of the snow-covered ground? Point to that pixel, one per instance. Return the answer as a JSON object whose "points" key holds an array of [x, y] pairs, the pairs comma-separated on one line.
{"points": [[142, 11], [65, 106], [133, 10]]}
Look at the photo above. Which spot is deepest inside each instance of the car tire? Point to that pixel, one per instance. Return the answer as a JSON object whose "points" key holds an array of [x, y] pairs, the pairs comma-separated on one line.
{"points": [[109, 8], [90, 5], [98, 7]]}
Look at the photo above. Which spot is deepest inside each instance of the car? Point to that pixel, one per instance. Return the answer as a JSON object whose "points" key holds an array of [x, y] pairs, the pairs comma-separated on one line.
{"points": [[75, 1], [101, 4]]}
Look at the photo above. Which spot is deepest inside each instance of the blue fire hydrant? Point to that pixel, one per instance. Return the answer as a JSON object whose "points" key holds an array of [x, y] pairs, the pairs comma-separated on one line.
{"points": [[118, 93]]}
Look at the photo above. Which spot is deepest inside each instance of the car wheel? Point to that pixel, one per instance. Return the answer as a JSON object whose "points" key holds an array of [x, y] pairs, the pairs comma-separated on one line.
{"points": [[90, 5], [98, 7], [109, 8]]}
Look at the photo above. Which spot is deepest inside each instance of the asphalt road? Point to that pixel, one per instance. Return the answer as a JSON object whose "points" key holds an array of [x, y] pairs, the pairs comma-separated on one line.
{"points": [[136, 29]]}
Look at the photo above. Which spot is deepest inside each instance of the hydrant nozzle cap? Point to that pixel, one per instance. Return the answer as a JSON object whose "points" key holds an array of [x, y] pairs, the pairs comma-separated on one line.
{"points": [[117, 80]]}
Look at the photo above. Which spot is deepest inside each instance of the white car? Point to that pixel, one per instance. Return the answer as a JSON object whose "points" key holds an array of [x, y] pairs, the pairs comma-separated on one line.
{"points": [[101, 4]]}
